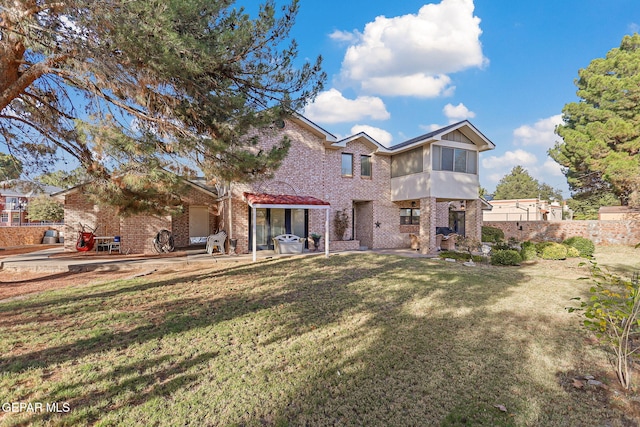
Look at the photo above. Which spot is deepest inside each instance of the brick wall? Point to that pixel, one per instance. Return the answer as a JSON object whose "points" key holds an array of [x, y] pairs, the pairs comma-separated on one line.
{"points": [[600, 232], [136, 232], [313, 169], [19, 236]]}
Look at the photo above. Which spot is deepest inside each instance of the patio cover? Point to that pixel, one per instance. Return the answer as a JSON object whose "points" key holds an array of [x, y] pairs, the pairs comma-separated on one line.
{"points": [[285, 201]]}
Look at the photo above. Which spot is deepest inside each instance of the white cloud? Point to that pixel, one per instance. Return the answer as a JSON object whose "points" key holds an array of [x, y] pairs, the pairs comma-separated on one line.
{"points": [[380, 135], [510, 159], [550, 167], [431, 127], [332, 107], [413, 54], [456, 113], [345, 36], [541, 133]]}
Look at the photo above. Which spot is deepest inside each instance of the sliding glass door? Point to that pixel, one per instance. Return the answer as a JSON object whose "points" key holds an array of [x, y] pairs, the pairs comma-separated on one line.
{"points": [[273, 222]]}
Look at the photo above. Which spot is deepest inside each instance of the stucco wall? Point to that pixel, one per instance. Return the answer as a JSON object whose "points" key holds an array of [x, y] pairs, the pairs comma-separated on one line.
{"points": [[600, 232]]}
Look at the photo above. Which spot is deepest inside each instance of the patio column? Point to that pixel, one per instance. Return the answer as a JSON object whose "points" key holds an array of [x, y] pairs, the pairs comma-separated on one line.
{"points": [[428, 226], [473, 219], [326, 233], [254, 243]]}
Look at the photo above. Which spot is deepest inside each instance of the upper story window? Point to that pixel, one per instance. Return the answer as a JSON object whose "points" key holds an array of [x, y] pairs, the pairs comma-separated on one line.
{"points": [[365, 166], [347, 164], [406, 163], [454, 159]]}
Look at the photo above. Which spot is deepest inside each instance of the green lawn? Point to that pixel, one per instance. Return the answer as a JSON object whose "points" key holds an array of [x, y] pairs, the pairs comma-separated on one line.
{"points": [[351, 340]]}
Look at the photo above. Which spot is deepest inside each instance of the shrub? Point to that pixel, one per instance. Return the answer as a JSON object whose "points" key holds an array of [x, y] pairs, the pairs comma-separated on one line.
{"points": [[492, 234], [554, 251], [506, 257], [528, 251], [572, 252], [584, 245], [540, 247], [502, 246], [459, 256]]}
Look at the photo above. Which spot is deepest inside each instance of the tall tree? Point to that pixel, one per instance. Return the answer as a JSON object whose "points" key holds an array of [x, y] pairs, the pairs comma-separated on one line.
{"points": [[518, 184], [141, 91], [10, 167], [601, 132]]}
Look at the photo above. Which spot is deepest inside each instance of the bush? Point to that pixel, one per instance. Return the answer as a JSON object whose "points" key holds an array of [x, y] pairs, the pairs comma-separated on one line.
{"points": [[459, 256], [506, 257], [492, 234], [554, 251], [585, 246], [572, 252], [540, 247], [528, 251]]}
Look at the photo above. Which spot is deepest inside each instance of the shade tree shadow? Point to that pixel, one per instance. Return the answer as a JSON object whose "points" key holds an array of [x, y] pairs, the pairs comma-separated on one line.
{"points": [[402, 364]]}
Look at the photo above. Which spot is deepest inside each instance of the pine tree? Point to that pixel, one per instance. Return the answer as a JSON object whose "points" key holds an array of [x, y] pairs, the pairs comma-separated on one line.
{"points": [[138, 92], [601, 132]]}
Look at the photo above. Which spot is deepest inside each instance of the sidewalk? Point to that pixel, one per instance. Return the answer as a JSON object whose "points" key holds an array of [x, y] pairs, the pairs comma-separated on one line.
{"points": [[52, 260]]}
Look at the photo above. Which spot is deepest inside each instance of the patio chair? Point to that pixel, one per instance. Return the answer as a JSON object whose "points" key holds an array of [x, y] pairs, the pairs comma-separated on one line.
{"points": [[449, 242], [216, 241]]}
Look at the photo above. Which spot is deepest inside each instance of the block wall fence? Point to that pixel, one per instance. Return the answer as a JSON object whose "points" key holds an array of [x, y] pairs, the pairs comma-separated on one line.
{"points": [[625, 232]]}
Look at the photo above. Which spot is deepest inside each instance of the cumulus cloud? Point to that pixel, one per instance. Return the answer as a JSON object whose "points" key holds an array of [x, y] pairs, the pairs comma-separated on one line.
{"points": [[413, 54], [541, 133], [380, 135], [456, 113], [510, 159], [332, 107], [345, 36]]}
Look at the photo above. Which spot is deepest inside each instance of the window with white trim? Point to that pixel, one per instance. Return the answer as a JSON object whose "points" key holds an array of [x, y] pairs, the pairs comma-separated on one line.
{"points": [[454, 159]]}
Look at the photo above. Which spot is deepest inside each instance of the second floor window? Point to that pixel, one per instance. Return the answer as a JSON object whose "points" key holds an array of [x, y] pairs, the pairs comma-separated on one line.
{"points": [[347, 164], [454, 159], [365, 166]]}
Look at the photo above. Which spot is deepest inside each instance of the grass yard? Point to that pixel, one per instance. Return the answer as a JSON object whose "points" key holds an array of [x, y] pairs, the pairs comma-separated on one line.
{"points": [[359, 339]]}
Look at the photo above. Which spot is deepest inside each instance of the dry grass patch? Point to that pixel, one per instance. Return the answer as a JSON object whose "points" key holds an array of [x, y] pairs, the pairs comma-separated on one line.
{"points": [[352, 340]]}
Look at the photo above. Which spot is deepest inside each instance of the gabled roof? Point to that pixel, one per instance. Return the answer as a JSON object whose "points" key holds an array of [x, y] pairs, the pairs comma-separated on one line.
{"points": [[313, 127], [362, 136], [465, 126], [22, 188], [197, 183]]}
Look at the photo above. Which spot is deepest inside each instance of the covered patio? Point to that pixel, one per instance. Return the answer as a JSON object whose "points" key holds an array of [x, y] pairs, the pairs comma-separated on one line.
{"points": [[283, 201]]}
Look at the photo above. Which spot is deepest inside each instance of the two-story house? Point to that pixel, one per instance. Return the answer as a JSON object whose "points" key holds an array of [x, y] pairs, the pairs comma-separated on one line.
{"points": [[15, 196], [386, 194]]}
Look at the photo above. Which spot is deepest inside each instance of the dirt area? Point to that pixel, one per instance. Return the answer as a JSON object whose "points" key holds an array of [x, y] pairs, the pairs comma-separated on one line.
{"points": [[16, 250]]}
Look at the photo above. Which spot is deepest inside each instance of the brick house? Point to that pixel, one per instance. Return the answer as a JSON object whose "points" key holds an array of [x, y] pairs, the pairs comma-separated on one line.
{"points": [[388, 193], [198, 219], [15, 196]]}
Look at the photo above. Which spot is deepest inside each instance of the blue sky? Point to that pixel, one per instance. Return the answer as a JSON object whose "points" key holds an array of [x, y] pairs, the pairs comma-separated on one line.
{"points": [[397, 69]]}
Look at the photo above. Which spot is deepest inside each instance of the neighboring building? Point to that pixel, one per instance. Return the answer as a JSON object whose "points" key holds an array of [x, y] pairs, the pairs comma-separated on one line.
{"points": [[618, 213], [15, 196], [387, 193], [521, 210]]}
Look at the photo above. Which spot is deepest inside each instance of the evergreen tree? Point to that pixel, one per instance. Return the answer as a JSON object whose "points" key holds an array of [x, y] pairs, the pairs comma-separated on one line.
{"points": [[518, 184], [10, 167], [141, 91], [601, 132]]}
